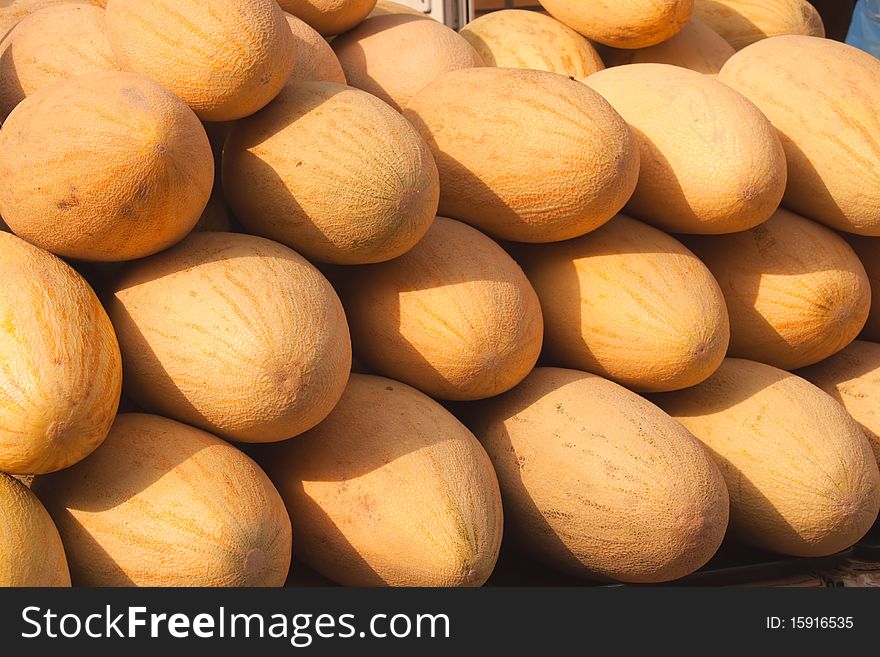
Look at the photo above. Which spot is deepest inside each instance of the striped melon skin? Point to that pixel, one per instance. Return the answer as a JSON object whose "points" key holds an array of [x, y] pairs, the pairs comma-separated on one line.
{"points": [[371, 56], [31, 553], [390, 490], [528, 156], [629, 303], [225, 58], [795, 290], [801, 475], [743, 22], [597, 481], [164, 504], [623, 23], [711, 162], [60, 368], [329, 17], [332, 172], [385, 7], [315, 59], [12, 11], [52, 44], [117, 168], [819, 95], [234, 334], [514, 38], [868, 251], [455, 316]]}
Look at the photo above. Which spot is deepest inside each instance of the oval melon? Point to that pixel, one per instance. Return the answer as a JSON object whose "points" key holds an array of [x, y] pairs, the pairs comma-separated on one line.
{"points": [[234, 334], [390, 490], [868, 251], [329, 17], [515, 38], [455, 317], [164, 504], [315, 59], [819, 95], [137, 168], [743, 22], [629, 303], [60, 368], [226, 59], [12, 11], [711, 162], [371, 56], [795, 290], [597, 481], [623, 23], [332, 172], [802, 478], [529, 156]]}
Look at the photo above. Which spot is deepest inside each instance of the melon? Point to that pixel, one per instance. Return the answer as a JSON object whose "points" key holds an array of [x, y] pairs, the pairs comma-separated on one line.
{"points": [[802, 478], [315, 59], [711, 162], [226, 59], [50, 45], [384, 7], [795, 290], [31, 553], [515, 38], [819, 95], [164, 504], [528, 156], [598, 482], [60, 368], [216, 217], [329, 17], [623, 23], [234, 334], [390, 490], [631, 304], [12, 11], [743, 22], [371, 56], [332, 172], [137, 168], [868, 251], [455, 317]]}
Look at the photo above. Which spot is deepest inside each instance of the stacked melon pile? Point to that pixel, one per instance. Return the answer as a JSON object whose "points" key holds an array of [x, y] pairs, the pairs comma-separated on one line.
{"points": [[610, 313]]}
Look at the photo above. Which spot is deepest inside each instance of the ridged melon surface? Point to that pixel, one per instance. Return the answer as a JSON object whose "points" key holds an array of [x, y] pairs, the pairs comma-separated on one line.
{"points": [[743, 22], [315, 59], [12, 11], [868, 251], [329, 17]]}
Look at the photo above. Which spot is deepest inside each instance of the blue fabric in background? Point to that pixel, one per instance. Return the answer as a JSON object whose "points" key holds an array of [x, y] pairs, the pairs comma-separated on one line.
{"points": [[864, 31]]}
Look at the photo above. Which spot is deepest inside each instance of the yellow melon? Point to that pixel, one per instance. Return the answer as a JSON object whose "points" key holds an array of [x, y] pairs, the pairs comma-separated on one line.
{"points": [[164, 504], [329, 17], [116, 167], [529, 156], [819, 95], [371, 56], [384, 7], [795, 290], [226, 59], [743, 22], [455, 317], [390, 490], [711, 162], [629, 303], [332, 172], [315, 59], [802, 478], [12, 11], [515, 38], [868, 251], [216, 218], [60, 368]]}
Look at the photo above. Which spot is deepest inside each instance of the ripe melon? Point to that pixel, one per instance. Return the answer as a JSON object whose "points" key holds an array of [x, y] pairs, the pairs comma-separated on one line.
{"points": [[396, 56], [332, 172], [216, 217], [385, 7], [226, 59], [868, 251], [329, 17], [455, 317], [597, 481], [623, 23], [31, 553], [390, 490], [795, 290], [164, 504], [697, 47], [802, 478], [52, 44], [234, 334], [529, 156], [60, 368], [629, 303], [820, 95], [711, 162], [105, 166], [12, 11], [743, 22], [515, 38], [315, 59]]}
